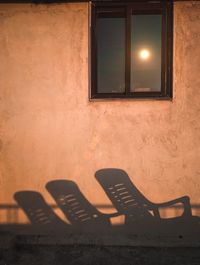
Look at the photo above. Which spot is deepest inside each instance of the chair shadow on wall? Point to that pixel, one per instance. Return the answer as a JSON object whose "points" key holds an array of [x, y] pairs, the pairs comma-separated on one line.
{"points": [[77, 209], [82, 215], [141, 215], [38, 212]]}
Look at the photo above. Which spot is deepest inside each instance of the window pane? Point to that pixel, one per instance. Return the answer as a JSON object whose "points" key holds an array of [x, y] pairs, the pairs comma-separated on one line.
{"points": [[146, 42], [111, 55]]}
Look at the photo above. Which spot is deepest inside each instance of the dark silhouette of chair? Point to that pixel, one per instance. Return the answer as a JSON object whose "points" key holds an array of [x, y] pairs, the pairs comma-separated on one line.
{"points": [[129, 201], [36, 209], [78, 210]]}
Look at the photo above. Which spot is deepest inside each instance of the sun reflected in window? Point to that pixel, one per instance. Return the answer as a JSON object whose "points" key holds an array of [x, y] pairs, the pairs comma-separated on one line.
{"points": [[144, 54]]}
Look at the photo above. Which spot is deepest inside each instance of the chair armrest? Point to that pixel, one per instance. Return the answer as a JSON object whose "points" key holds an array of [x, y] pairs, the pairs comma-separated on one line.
{"points": [[185, 200]]}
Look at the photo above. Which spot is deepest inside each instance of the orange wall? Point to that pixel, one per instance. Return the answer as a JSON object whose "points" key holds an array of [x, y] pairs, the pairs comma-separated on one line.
{"points": [[50, 130]]}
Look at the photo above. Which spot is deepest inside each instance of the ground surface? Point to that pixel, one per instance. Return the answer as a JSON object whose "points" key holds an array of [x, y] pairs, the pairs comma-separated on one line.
{"points": [[98, 255]]}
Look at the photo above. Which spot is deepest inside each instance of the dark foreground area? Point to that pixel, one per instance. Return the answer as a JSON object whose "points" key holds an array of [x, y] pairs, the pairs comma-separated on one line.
{"points": [[98, 255]]}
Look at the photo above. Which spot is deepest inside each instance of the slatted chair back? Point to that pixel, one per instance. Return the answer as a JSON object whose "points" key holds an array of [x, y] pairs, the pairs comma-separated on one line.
{"points": [[78, 210], [125, 197], [36, 209]]}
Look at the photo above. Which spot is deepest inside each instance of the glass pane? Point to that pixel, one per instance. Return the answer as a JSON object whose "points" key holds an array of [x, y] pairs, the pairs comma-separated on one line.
{"points": [[146, 44], [111, 55]]}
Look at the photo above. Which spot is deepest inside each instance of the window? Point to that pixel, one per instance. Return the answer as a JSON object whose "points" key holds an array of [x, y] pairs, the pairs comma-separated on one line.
{"points": [[131, 50]]}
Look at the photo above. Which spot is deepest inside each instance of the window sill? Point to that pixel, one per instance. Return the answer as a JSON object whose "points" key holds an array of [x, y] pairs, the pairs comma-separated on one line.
{"points": [[97, 99]]}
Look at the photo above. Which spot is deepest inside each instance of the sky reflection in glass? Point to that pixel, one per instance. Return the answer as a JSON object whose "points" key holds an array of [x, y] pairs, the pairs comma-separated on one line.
{"points": [[146, 46], [146, 53], [111, 55]]}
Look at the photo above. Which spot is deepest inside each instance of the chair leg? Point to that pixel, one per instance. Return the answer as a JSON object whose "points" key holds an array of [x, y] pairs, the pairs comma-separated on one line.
{"points": [[187, 207]]}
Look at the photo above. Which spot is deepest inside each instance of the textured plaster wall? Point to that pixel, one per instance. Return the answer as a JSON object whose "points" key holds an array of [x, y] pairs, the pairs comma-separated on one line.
{"points": [[50, 130]]}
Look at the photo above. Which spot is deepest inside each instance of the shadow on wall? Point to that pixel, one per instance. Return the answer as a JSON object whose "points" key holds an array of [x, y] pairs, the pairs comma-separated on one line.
{"points": [[142, 217]]}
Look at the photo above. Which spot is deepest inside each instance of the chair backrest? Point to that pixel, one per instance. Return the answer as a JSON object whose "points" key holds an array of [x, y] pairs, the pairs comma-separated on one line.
{"points": [[74, 205], [125, 197], [36, 209]]}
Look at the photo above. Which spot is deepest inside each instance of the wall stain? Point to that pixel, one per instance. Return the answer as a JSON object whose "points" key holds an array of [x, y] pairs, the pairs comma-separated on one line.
{"points": [[1, 145]]}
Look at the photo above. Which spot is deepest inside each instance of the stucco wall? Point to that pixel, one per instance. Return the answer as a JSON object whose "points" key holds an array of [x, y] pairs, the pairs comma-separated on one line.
{"points": [[50, 130]]}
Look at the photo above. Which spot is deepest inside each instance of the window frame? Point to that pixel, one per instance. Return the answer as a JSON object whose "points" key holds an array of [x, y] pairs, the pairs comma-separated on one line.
{"points": [[165, 8]]}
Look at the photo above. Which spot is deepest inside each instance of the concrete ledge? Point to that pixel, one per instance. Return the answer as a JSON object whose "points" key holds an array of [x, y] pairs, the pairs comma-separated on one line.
{"points": [[118, 240], [115, 236]]}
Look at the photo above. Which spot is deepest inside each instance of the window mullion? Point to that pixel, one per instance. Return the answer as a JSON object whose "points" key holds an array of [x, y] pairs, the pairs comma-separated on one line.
{"points": [[128, 50]]}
